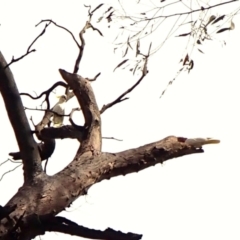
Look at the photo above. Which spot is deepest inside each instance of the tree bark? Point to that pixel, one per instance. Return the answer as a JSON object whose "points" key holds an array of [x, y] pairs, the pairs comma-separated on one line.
{"points": [[38, 201]]}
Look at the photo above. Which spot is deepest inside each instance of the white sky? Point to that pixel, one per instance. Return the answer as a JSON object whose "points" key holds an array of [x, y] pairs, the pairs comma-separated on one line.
{"points": [[193, 197]]}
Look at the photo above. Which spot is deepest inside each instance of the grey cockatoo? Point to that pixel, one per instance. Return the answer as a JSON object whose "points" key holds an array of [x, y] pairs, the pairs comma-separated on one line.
{"points": [[59, 108]]}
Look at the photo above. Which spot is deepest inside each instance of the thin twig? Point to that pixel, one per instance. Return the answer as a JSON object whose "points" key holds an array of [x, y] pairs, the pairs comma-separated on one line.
{"points": [[186, 13], [51, 21], [112, 138], [47, 92], [28, 49], [47, 110], [4, 162], [9, 171], [93, 79], [120, 98]]}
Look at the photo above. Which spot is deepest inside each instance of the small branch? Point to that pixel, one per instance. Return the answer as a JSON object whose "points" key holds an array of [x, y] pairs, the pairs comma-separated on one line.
{"points": [[93, 79], [112, 138], [66, 131], [120, 98], [48, 110], [59, 26], [29, 50], [186, 13], [82, 46], [63, 225], [4, 162], [47, 92], [13, 103], [71, 120], [11, 170]]}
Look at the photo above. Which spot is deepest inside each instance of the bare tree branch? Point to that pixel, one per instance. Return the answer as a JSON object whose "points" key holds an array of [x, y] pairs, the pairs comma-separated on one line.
{"points": [[120, 98], [47, 110], [29, 50], [112, 138], [13, 103], [134, 160], [46, 93], [63, 225], [51, 21], [84, 93], [11, 170], [189, 12], [66, 131], [94, 79]]}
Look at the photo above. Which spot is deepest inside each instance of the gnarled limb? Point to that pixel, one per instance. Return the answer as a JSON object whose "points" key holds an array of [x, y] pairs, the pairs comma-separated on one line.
{"points": [[84, 93], [66, 131], [13, 103], [51, 195]]}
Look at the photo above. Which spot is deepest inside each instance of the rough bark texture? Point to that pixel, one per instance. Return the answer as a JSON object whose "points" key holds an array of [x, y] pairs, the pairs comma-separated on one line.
{"points": [[35, 206]]}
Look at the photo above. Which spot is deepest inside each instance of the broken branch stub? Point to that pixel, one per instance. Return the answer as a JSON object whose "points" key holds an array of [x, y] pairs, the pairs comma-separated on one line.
{"points": [[83, 91]]}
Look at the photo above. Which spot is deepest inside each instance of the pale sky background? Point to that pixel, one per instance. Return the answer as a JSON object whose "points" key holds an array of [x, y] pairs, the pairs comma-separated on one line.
{"points": [[192, 197]]}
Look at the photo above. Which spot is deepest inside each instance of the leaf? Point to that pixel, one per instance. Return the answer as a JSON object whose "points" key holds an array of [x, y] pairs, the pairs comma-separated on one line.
{"points": [[100, 5], [109, 17], [200, 51], [120, 64], [184, 34], [137, 48], [135, 69], [108, 9], [223, 30], [191, 65], [211, 19], [186, 59], [232, 26], [128, 43], [185, 23], [126, 66], [126, 51], [100, 19], [218, 19], [149, 49]]}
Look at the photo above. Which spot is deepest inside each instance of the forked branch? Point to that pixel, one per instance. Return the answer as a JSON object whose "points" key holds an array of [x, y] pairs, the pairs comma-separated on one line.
{"points": [[29, 50]]}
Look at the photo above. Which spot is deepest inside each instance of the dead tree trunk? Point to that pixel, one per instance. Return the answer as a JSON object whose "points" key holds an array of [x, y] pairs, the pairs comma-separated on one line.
{"points": [[32, 210]]}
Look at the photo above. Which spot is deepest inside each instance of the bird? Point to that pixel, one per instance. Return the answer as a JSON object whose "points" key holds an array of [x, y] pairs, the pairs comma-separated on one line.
{"points": [[58, 111], [45, 148], [199, 142]]}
